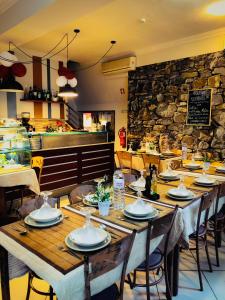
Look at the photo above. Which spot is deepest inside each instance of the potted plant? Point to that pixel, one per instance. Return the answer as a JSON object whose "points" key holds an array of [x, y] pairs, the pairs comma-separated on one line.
{"points": [[102, 196]]}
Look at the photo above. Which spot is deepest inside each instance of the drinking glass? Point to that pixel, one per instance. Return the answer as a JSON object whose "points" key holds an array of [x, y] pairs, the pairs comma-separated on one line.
{"points": [[205, 167], [45, 195], [181, 185], [88, 211]]}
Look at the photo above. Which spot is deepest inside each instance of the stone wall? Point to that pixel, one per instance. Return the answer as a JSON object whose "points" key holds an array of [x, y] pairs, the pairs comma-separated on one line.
{"points": [[158, 95]]}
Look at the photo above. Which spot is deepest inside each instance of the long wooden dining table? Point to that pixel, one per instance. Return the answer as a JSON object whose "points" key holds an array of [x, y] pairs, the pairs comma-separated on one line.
{"points": [[41, 250]]}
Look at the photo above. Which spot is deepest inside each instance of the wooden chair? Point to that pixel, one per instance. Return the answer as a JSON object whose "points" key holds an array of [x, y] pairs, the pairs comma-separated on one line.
{"points": [[155, 261], [125, 161], [218, 221], [24, 211], [37, 163], [80, 191], [201, 230], [105, 261], [175, 164], [151, 159]]}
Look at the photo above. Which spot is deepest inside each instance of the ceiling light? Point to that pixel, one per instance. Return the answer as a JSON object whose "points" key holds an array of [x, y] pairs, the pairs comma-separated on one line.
{"points": [[11, 85], [67, 91], [216, 8]]}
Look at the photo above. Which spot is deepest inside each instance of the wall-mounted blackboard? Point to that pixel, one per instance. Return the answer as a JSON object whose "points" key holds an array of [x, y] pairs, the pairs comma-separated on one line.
{"points": [[199, 107]]}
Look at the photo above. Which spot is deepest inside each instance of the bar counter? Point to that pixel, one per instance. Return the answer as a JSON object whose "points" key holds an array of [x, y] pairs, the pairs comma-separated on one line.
{"points": [[72, 158]]}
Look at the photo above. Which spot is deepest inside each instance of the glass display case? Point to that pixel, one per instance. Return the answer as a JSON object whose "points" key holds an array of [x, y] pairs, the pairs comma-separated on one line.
{"points": [[15, 148]]}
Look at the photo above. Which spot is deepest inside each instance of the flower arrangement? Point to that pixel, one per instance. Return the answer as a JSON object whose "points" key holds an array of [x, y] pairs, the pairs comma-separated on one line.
{"points": [[102, 193]]}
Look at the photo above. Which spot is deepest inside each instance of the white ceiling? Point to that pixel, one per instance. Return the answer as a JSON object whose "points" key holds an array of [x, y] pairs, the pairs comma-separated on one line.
{"points": [[103, 20]]}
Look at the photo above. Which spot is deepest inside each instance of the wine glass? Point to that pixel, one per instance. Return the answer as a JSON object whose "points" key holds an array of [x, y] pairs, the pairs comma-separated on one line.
{"points": [[181, 185], [88, 211], [205, 167], [45, 195]]}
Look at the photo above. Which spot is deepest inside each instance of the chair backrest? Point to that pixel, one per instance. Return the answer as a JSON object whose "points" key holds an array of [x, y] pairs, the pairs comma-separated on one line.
{"points": [[175, 164], [125, 159], [79, 191], [111, 257], [206, 201], [35, 203], [129, 178], [161, 226], [151, 159], [37, 163], [220, 194]]}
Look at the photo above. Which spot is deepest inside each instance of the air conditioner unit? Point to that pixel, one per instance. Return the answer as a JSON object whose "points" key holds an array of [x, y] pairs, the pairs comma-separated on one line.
{"points": [[120, 65]]}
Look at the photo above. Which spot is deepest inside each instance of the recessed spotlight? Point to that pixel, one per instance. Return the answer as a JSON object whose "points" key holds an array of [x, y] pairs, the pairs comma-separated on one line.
{"points": [[142, 20], [216, 8]]}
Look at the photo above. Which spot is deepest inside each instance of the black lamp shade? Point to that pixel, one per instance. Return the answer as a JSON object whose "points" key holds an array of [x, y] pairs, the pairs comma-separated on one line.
{"points": [[11, 85], [67, 91]]}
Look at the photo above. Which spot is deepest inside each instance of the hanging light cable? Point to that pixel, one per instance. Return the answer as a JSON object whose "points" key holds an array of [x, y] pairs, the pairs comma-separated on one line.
{"points": [[67, 91]]}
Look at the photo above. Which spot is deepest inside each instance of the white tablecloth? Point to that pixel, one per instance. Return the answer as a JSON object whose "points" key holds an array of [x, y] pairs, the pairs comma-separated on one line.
{"points": [[25, 177], [71, 285]]}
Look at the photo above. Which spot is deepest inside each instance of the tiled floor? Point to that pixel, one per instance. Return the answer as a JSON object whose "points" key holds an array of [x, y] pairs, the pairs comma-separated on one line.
{"points": [[214, 283]]}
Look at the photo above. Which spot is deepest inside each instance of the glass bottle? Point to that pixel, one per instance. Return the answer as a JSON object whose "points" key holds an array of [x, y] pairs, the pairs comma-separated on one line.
{"points": [[118, 190]]}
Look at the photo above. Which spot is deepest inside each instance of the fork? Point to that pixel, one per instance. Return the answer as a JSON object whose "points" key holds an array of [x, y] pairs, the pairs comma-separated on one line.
{"points": [[64, 249]]}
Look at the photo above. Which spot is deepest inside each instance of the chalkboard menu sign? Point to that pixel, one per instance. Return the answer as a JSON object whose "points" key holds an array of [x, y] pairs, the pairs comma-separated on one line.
{"points": [[199, 107]]}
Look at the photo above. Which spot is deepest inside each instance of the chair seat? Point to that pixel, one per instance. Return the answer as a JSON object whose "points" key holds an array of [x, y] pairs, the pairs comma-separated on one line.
{"points": [[202, 232], [155, 260], [111, 293]]}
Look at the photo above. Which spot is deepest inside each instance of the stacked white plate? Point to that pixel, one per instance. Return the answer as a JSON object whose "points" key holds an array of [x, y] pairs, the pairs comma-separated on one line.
{"points": [[140, 210], [220, 169], [87, 239], [35, 143], [205, 181], [44, 217], [169, 175], [193, 166], [90, 200], [180, 194], [168, 153], [138, 185]]}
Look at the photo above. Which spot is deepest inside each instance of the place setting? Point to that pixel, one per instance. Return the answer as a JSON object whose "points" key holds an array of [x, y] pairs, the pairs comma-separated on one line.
{"points": [[45, 216], [181, 193], [221, 169], [140, 210], [193, 164], [169, 174], [89, 237]]}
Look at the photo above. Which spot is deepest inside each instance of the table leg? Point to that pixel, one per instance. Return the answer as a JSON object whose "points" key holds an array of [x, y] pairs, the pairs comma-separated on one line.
{"points": [[176, 260], [4, 268], [2, 202]]}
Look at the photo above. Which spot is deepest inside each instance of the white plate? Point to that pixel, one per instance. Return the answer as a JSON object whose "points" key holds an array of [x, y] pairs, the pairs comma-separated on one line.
{"points": [[204, 184], [167, 176], [193, 167], [75, 247], [205, 181], [88, 237], [177, 193], [33, 223], [45, 215], [135, 188], [220, 169], [138, 210], [181, 199], [149, 216]]}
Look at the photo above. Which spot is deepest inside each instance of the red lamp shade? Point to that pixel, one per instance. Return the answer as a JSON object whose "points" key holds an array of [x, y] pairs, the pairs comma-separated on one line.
{"points": [[19, 70], [69, 74], [62, 71]]}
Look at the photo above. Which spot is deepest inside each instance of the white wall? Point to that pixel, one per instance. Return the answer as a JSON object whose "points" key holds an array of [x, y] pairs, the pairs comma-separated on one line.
{"points": [[100, 92], [27, 81]]}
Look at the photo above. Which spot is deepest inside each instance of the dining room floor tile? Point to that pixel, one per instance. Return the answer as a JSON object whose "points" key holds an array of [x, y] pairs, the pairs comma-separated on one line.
{"points": [[216, 280]]}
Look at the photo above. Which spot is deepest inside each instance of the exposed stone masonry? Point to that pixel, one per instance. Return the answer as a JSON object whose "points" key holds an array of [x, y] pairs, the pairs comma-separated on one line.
{"points": [[158, 95]]}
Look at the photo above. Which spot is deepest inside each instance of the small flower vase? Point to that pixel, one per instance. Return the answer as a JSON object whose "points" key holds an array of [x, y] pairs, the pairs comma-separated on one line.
{"points": [[103, 208]]}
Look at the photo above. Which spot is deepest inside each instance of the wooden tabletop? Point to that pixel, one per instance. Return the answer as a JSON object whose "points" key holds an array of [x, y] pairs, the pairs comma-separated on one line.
{"points": [[47, 243], [211, 171], [118, 218]]}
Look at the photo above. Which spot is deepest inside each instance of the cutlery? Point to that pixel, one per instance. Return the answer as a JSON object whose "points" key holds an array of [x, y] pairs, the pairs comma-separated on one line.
{"points": [[126, 220], [64, 249], [21, 232]]}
